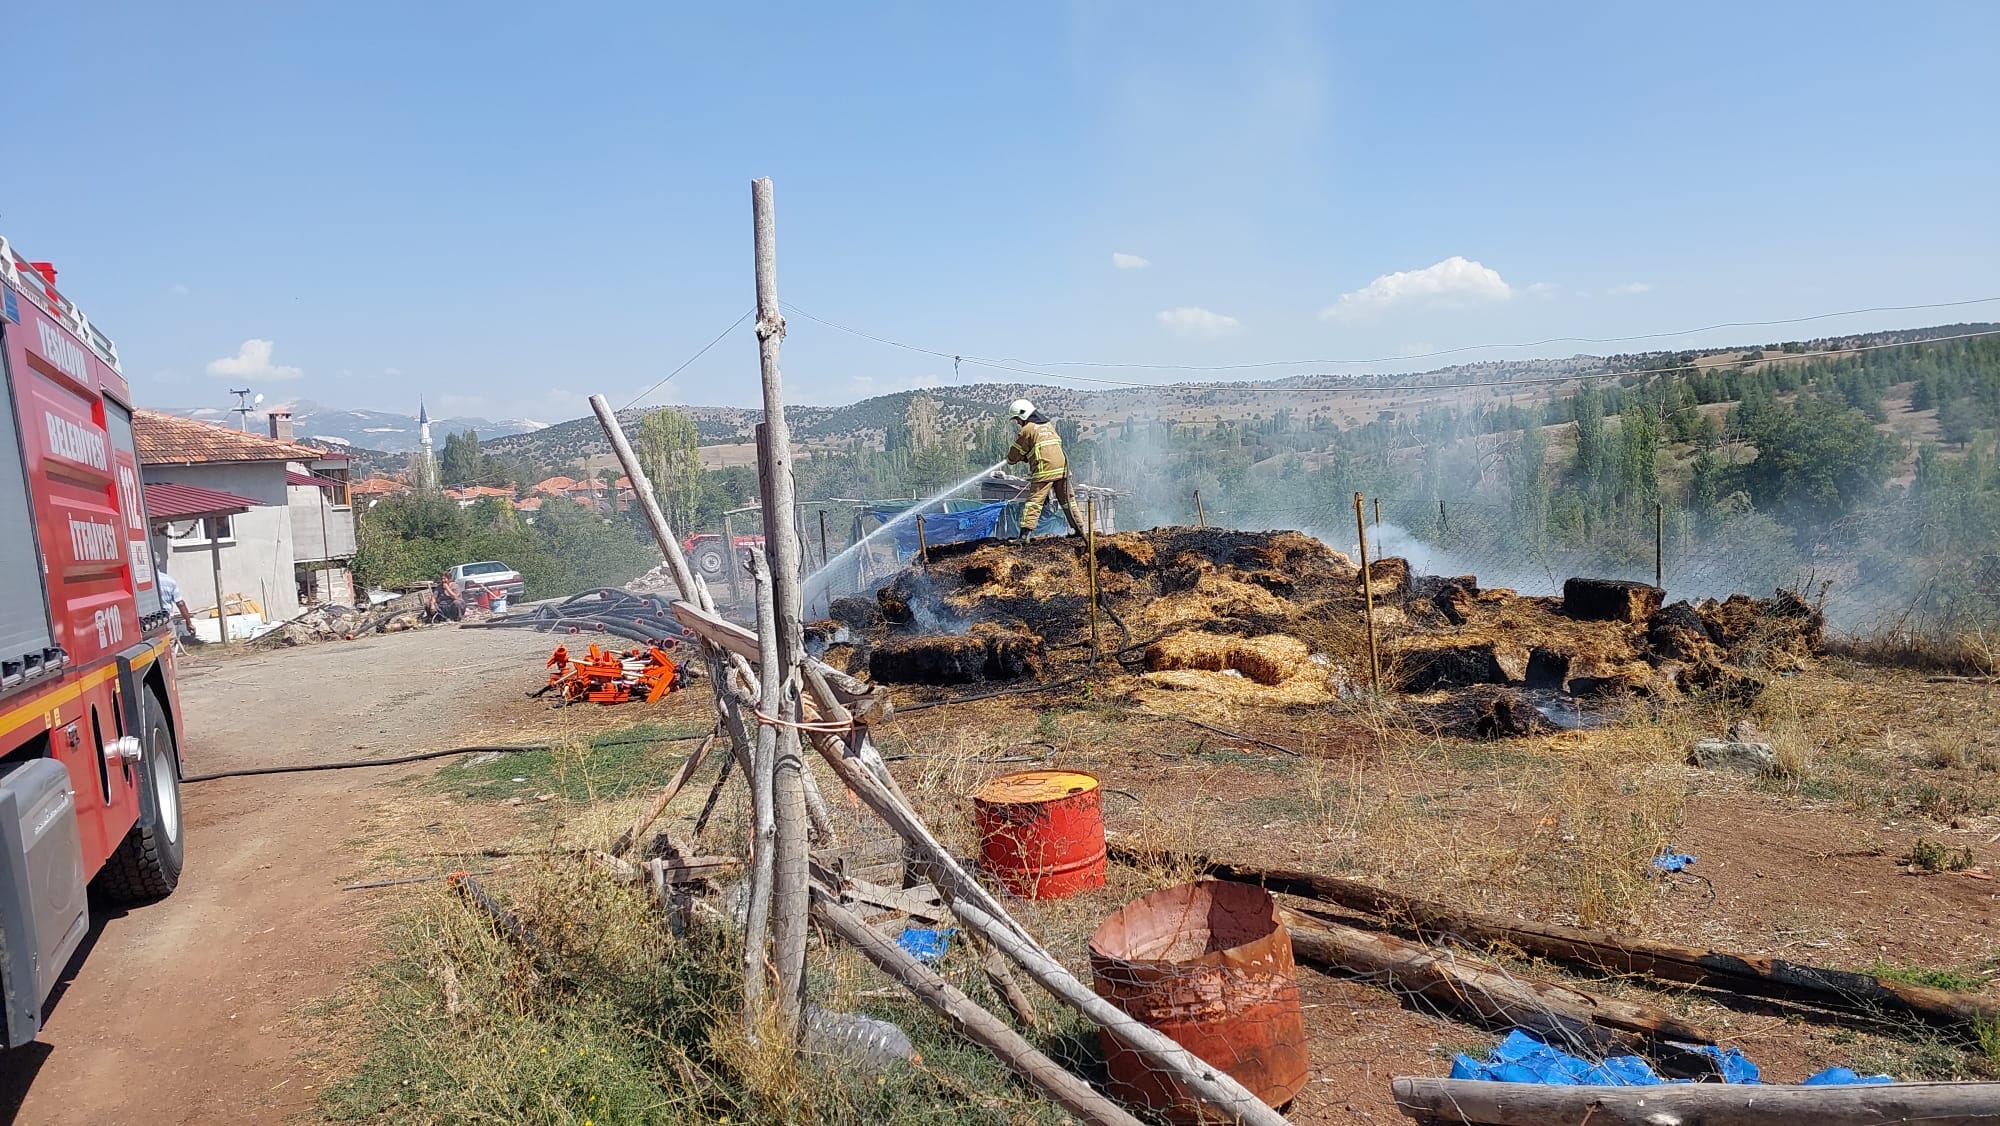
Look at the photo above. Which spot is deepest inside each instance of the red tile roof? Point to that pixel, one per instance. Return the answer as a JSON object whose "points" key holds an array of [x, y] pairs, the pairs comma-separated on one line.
{"points": [[557, 485], [168, 501], [164, 439], [310, 481], [373, 486]]}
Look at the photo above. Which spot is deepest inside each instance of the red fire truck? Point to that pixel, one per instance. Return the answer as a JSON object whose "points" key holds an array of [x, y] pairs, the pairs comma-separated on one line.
{"points": [[89, 719]]}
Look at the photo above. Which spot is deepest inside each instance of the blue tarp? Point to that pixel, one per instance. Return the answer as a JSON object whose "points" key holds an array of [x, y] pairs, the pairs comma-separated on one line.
{"points": [[1671, 861], [1521, 1058], [925, 944], [978, 523]]}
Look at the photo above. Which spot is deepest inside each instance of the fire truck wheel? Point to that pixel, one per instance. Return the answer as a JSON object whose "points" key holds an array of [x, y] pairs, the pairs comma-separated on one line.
{"points": [[710, 560], [147, 865]]}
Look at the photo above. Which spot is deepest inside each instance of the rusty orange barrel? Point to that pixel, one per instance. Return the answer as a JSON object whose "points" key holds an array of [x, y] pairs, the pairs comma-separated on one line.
{"points": [[1209, 965], [1041, 832]]}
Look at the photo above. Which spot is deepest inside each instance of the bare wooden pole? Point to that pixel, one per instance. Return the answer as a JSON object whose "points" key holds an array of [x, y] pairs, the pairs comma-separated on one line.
{"points": [[790, 904], [823, 556], [732, 567], [1378, 514], [649, 504], [764, 835], [1368, 600], [658, 805], [923, 549], [1200, 513], [1711, 1104], [1660, 544], [1073, 1094], [1090, 545], [215, 562]]}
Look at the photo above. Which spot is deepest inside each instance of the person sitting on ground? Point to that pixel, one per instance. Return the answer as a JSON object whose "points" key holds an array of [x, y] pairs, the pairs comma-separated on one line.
{"points": [[1048, 469], [446, 605]]}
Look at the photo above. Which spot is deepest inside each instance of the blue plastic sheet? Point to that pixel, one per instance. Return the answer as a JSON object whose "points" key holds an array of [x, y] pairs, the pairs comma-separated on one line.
{"points": [[1671, 861], [977, 523], [925, 944], [1521, 1058]]}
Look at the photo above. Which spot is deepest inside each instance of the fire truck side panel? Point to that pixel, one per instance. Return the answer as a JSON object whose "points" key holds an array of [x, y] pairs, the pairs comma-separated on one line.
{"points": [[83, 519]]}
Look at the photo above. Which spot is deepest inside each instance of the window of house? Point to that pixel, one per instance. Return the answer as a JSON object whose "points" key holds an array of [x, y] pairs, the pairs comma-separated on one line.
{"points": [[202, 532]]}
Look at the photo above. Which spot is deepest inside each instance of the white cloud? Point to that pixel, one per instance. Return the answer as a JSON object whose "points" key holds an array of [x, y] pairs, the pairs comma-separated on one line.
{"points": [[1630, 289], [179, 289], [1122, 261], [1543, 290], [1455, 281], [252, 361], [1197, 323], [392, 371]]}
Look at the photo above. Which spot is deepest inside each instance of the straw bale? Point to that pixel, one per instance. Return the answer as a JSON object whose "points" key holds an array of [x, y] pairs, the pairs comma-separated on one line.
{"points": [[1242, 690], [1610, 600], [1271, 659]]}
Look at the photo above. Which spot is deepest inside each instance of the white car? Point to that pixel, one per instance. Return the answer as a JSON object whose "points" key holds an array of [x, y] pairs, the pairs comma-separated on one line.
{"points": [[471, 578]]}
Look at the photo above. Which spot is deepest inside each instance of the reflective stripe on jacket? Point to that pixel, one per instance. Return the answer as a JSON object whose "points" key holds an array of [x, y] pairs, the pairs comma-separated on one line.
{"points": [[1041, 447]]}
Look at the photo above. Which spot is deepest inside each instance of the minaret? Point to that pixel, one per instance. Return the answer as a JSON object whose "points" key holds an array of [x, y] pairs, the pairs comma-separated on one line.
{"points": [[426, 467]]}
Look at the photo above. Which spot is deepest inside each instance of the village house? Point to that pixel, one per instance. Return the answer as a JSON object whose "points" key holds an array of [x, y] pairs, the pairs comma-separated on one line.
{"points": [[289, 541]]}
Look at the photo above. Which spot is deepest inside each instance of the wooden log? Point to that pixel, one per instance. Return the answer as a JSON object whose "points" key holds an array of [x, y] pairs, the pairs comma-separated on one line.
{"points": [[1737, 973], [764, 834], [1206, 1081], [975, 1023], [1481, 988], [1697, 1104], [658, 805]]}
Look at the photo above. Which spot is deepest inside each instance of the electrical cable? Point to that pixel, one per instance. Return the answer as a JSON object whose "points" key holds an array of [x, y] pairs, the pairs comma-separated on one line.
{"points": [[733, 325], [419, 756]]}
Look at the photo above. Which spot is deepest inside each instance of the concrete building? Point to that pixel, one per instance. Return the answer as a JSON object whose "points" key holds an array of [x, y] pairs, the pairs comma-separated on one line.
{"points": [[293, 544]]}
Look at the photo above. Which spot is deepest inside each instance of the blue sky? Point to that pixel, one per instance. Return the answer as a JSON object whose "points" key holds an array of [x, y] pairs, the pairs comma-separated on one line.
{"points": [[505, 208]]}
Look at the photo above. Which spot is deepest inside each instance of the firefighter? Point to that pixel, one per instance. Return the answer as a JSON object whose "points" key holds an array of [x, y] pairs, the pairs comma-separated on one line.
{"points": [[1041, 448]]}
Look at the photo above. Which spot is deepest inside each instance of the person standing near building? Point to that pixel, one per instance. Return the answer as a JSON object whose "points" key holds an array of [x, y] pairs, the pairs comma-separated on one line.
{"points": [[1040, 447], [170, 593]]}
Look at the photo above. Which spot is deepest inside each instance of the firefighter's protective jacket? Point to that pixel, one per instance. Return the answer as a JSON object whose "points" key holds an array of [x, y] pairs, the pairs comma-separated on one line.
{"points": [[1041, 447]]}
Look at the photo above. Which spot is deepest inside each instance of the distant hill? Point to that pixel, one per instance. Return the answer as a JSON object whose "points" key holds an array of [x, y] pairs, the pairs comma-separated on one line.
{"points": [[376, 430]]}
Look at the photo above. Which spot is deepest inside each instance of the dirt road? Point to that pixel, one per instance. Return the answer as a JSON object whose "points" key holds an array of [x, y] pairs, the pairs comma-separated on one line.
{"points": [[190, 1010]]}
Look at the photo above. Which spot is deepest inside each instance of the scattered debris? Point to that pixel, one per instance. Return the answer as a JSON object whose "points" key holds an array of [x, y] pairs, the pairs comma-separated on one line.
{"points": [[602, 676], [1521, 1058], [1722, 754]]}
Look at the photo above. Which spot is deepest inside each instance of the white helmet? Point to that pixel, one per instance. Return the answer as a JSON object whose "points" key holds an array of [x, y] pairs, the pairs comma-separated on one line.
{"points": [[1020, 409]]}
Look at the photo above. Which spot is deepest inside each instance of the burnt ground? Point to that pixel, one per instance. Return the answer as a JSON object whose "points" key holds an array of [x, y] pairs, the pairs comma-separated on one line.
{"points": [[1428, 792], [1554, 827]]}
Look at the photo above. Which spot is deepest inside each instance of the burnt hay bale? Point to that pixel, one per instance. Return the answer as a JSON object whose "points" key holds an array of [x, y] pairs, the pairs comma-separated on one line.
{"points": [[1610, 600], [1126, 553], [989, 654], [1461, 666], [858, 614], [1678, 633], [931, 659]]}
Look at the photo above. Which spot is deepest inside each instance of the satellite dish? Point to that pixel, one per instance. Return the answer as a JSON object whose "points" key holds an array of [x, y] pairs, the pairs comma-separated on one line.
{"points": [[258, 401]]}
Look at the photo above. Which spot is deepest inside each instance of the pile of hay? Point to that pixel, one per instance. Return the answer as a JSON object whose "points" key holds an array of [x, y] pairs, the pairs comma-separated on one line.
{"points": [[1277, 618]]}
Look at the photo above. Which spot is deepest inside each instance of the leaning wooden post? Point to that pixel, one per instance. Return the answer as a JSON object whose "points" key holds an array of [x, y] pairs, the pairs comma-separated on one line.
{"points": [[215, 562], [790, 903], [1073, 1094], [642, 487], [1368, 599], [1378, 514], [764, 834], [732, 566], [923, 549], [1090, 545], [1200, 514], [1660, 544]]}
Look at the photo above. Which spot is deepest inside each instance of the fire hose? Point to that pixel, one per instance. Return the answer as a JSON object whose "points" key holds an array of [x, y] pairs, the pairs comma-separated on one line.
{"points": [[419, 756]]}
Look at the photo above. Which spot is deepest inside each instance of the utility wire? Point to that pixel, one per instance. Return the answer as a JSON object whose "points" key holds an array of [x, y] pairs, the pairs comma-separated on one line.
{"points": [[733, 325], [1413, 383]]}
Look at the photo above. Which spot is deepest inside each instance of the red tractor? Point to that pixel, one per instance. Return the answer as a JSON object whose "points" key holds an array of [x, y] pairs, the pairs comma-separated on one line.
{"points": [[710, 559]]}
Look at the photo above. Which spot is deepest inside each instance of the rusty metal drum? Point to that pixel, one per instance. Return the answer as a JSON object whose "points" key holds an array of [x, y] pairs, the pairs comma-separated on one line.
{"points": [[1210, 965], [1041, 832]]}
